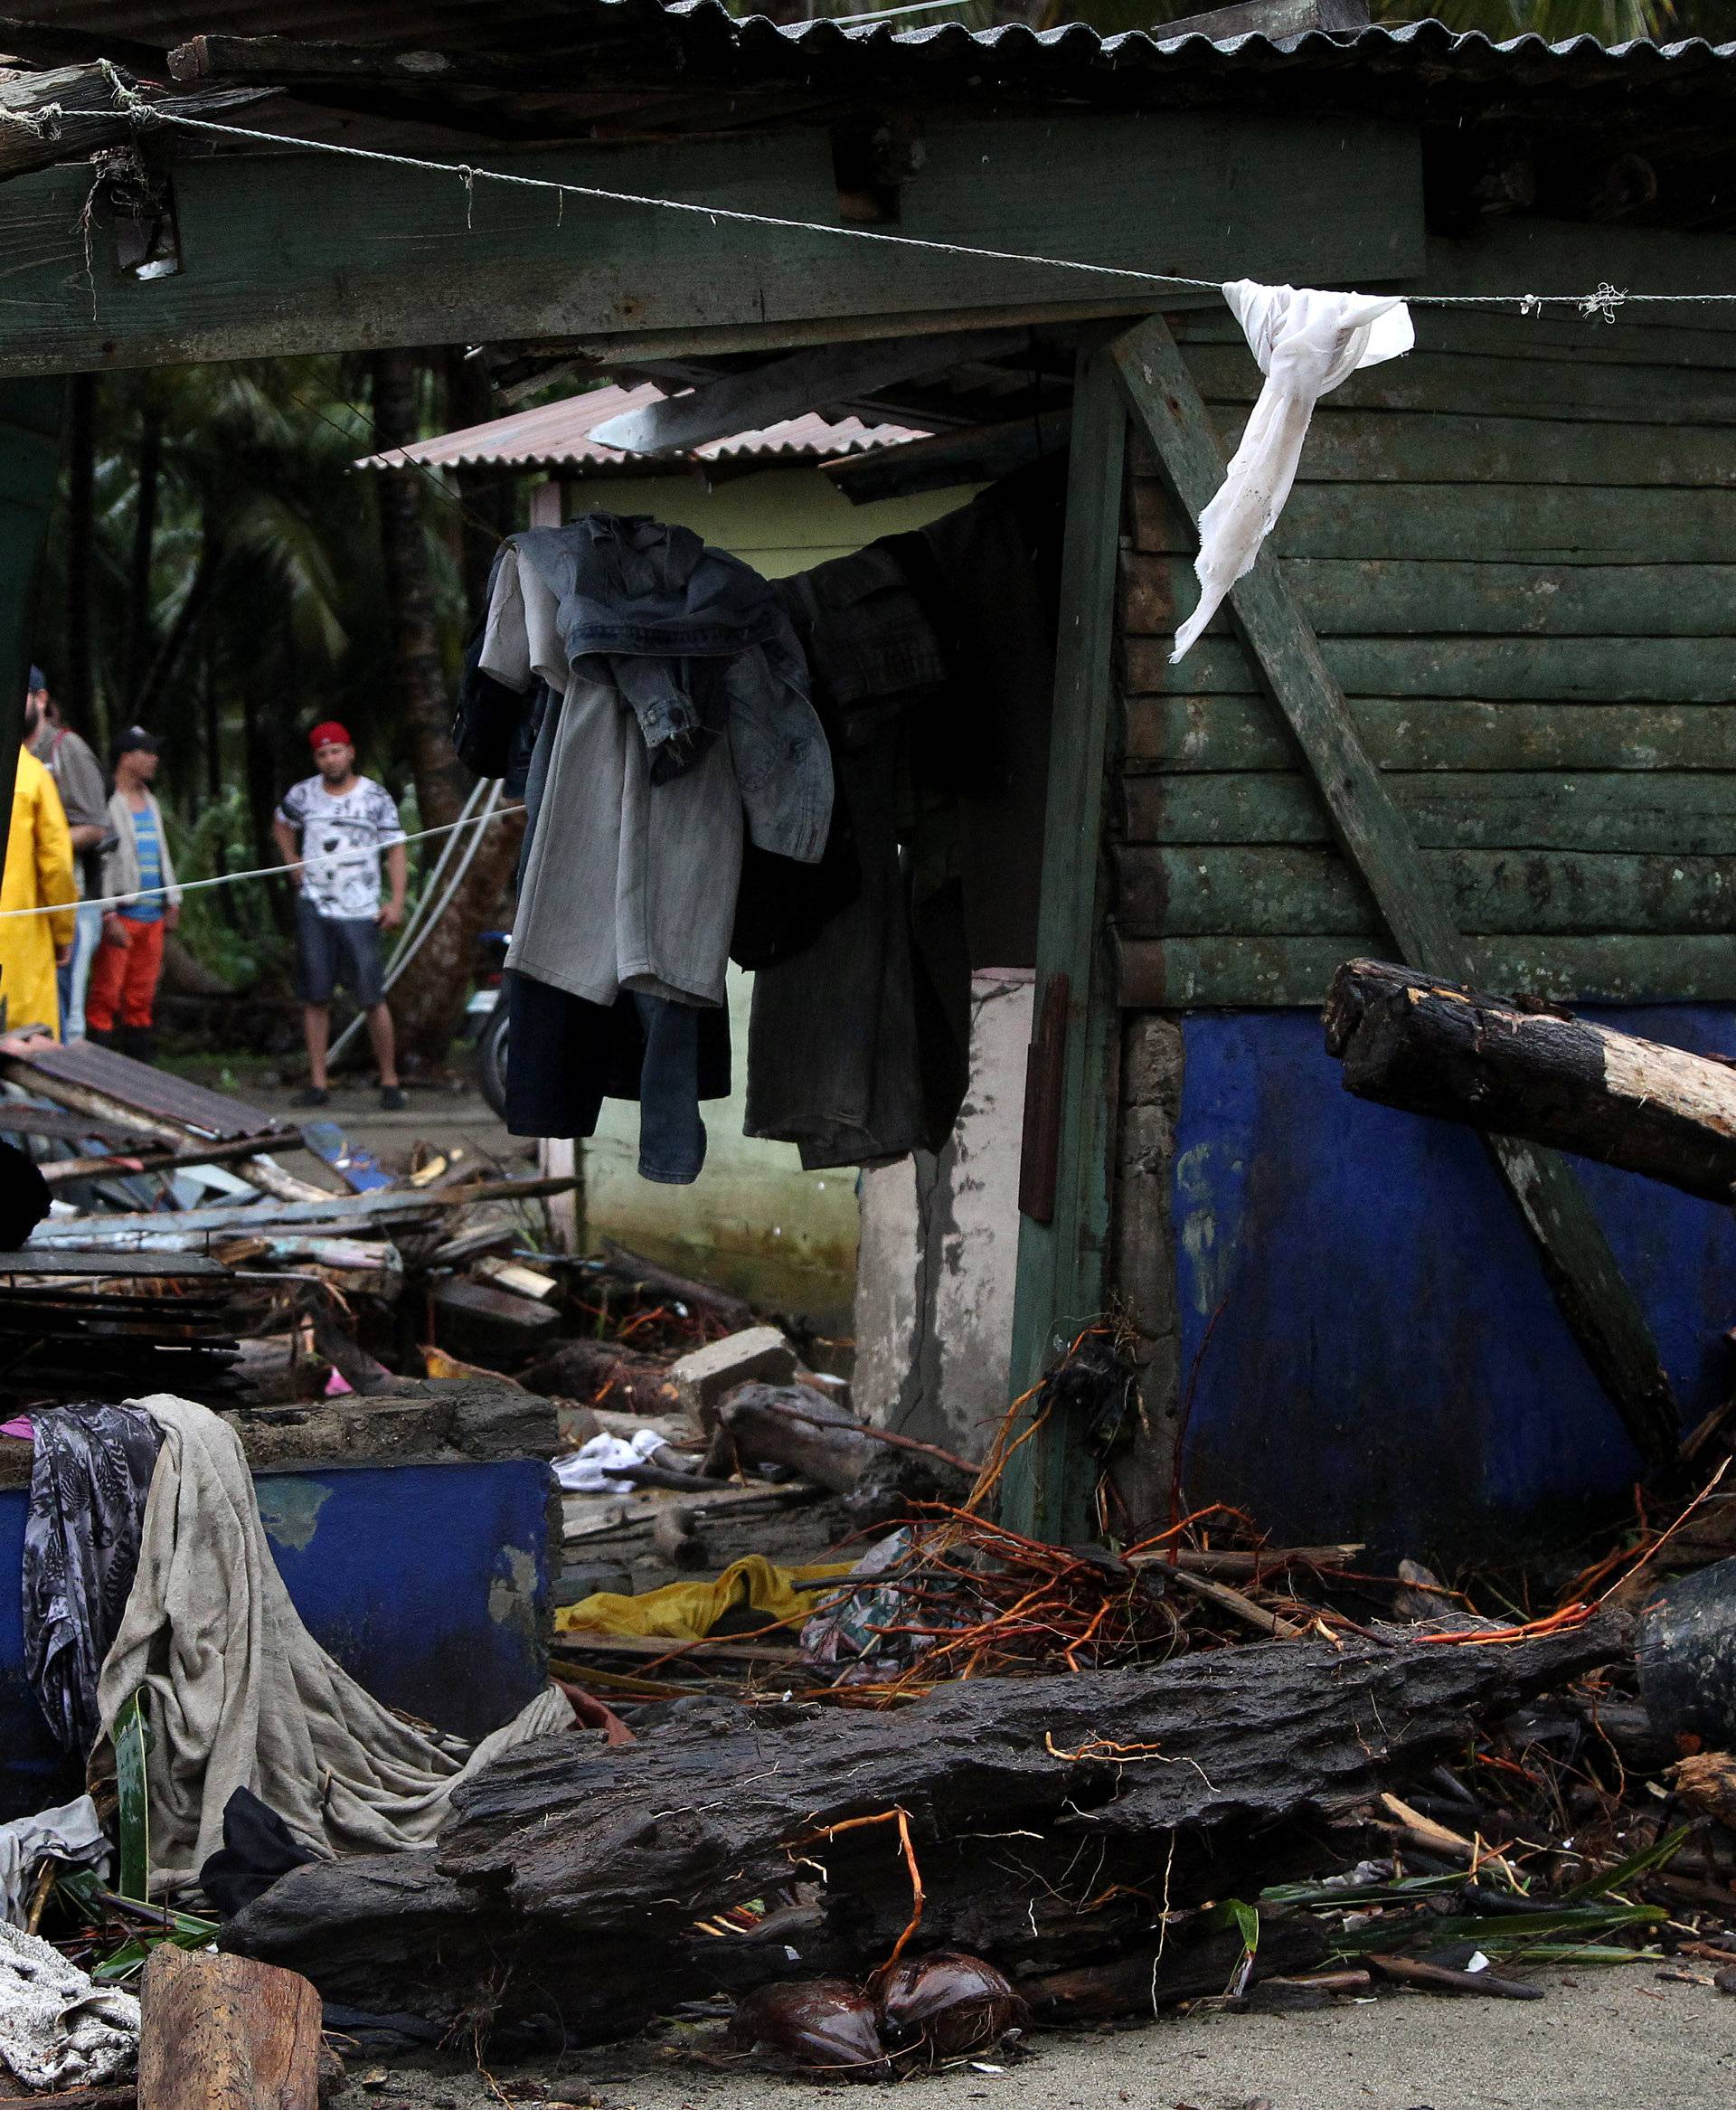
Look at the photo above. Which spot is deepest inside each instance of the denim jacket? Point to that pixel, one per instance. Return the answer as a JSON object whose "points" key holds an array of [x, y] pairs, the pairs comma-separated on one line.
{"points": [[698, 645]]}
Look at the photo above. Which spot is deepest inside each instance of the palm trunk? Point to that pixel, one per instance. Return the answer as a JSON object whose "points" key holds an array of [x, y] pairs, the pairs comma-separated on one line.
{"points": [[428, 1001], [139, 576], [77, 684]]}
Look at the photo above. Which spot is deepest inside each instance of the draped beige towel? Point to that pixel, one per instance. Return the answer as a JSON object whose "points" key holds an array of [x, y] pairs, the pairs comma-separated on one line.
{"points": [[239, 1694]]}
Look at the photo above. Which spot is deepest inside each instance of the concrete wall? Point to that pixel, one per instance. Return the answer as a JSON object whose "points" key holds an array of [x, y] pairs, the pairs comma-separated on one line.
{"points": [[753, 1220], [940, 1249]]}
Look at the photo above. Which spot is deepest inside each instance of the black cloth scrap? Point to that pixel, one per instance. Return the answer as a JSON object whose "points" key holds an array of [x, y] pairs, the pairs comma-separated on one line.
{"points": [[257, 1847]]}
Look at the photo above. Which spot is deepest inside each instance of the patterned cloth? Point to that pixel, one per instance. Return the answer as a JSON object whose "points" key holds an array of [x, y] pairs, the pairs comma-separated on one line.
{"points": [[341, 842], [89, 1476], [58, 2029]]}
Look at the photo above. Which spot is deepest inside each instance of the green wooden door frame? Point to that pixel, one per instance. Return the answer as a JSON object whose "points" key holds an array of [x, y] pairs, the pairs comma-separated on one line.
{"points": [[1064, 1195], [30, 467]]}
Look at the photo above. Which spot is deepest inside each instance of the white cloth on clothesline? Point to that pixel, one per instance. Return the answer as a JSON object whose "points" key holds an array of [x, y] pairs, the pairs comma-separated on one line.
{"points": [[1307, 343]]}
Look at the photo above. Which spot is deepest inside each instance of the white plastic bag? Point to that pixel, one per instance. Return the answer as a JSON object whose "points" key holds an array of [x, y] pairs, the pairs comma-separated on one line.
{"points": [[1307, 343]]}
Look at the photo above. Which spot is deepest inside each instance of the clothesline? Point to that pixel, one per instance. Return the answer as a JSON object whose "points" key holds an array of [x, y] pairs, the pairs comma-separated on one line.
{"points": [[1602, 302], [324, 861]]}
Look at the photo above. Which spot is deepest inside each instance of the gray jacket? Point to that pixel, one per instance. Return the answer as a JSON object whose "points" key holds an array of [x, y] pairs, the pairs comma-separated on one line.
{"points": [[698, 645], [120, 865]]}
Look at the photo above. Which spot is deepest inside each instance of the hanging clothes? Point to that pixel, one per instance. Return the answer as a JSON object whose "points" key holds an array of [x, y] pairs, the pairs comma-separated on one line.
{"points": [[933, 662], [38, 873], [89, 1477], [1306, 344], [679, 725], [845, 1059]]}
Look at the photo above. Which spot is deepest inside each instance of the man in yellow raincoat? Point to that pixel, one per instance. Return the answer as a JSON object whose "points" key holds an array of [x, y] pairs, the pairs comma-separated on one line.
{"points": [[38, 874]]}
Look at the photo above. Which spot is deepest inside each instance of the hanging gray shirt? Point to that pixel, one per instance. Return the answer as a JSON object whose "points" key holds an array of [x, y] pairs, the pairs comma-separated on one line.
{"points": [[628, 885]]}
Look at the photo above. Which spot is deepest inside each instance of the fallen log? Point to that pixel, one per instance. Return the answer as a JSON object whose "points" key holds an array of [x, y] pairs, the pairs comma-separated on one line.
{"points": [[1438, 1048], [1048, 1817]]}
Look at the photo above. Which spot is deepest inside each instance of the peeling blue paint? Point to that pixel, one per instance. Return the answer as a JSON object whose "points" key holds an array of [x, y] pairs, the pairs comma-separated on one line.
{"points": [[427, 1582], [1390, 1363], [290, 1508]]}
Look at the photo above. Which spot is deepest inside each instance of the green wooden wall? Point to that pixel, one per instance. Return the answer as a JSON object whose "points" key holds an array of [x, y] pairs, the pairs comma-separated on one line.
{"points": [[1518, 548]]}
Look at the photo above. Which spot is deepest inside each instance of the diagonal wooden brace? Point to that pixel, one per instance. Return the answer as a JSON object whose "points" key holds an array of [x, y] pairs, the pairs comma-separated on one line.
{"points": [[1594, 1297]]}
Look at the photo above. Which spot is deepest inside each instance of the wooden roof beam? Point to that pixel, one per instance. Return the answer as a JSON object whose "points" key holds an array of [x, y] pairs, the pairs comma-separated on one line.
{"points": [[39, 44], [70, 113], [297, 63]]}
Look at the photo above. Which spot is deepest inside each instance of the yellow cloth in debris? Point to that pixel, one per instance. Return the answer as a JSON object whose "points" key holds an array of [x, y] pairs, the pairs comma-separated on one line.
{"points": [[687, 1612]]}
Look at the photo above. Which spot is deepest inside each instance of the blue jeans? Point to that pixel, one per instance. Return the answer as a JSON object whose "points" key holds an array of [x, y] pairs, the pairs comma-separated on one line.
{"points": [[74, 978]]}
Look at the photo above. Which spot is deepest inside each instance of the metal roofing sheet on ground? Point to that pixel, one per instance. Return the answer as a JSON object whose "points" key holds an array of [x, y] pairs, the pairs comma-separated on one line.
{"points": [[558, 434], [144, 1089]]}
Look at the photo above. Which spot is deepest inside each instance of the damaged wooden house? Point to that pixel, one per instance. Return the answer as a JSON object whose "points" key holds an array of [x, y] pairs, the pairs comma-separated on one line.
{"points": [[1471, 709]]}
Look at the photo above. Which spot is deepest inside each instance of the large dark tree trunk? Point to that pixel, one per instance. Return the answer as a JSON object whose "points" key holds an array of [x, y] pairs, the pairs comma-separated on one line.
{"points": [[1051, 1819], [485, 513], [138, 570], [75, 680], [1434, 1048], [428, 1001]]}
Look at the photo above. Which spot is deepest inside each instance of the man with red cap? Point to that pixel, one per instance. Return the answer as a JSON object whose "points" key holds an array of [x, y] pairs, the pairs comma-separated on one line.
{"points": [[331, 829]]}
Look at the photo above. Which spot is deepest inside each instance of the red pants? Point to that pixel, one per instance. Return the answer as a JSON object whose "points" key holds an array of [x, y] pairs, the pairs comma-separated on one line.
{"points": [[124, 977]]}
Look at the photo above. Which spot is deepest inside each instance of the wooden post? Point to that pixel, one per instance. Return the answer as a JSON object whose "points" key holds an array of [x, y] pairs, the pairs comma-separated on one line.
{"points": [[1595, 1299], [226, 2033], [1064, 1246], [29, 464], [557, 1158]]}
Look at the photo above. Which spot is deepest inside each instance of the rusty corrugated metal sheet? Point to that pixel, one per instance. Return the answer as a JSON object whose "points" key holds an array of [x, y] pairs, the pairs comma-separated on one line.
{"points": [[213, 1115], [558, 436]]}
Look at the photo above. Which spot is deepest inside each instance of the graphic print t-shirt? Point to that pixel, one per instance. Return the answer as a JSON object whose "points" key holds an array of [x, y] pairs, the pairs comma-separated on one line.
{"points": [[341, 842]]}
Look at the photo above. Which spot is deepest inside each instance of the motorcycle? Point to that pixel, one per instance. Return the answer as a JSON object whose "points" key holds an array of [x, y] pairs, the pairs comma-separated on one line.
{"points": [[487, 1016]]}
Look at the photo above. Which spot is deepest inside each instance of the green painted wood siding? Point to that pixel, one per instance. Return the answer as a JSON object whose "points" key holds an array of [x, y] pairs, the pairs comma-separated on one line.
{"points": [[1518, 549]]}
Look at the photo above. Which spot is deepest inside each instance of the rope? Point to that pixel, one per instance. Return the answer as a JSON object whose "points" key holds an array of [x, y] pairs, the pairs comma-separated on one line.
{"points": [[1601, 303], [321, 864]]}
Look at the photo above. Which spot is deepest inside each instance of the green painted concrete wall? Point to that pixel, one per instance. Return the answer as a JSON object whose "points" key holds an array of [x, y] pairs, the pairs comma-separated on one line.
{"points": [[753, 1220]]}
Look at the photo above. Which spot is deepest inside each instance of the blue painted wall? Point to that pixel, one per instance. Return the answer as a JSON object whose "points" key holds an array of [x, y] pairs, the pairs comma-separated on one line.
{"points": [[1389, 1363], [428, 1584]]}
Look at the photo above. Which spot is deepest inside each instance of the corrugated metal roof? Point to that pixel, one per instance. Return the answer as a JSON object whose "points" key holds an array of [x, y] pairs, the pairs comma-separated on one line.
{"points": [[558, 436], [1073, 55]]}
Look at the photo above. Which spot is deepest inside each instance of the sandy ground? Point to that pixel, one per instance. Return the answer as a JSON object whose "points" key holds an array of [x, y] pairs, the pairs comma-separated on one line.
{"points": [[1603, 2039]]}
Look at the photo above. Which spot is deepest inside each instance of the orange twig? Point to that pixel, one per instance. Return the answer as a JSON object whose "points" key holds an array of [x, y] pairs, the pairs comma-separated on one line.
{"points": [[918, 1897]]}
